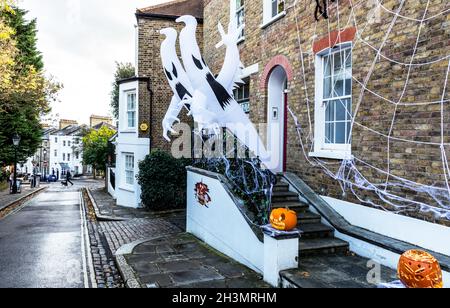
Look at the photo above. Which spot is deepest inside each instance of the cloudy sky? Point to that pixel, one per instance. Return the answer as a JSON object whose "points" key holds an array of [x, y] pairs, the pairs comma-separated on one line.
{"points": [[80, 41]]}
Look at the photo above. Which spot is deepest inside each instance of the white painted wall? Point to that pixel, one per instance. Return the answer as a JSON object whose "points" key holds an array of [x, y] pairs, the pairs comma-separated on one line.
{"points": [[222, 225], [417, 232], [128, 141]]}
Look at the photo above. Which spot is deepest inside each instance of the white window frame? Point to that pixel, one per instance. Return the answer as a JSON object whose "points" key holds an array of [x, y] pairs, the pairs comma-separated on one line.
{"points": [[321, 148], [127, 169], [128, 110], [241, 99], [268, 17], [234, 12]]}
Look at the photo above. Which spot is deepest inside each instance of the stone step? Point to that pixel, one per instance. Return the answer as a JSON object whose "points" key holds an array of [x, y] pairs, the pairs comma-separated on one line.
{"points": [[281, 187], [317, 230], [298, 207], [333, 271], [280, 196], [322, 246], [308, 217]]}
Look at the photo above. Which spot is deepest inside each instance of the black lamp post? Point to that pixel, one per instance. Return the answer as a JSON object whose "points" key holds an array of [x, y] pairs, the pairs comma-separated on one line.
{"points": [[45, 164], [16, 142]]}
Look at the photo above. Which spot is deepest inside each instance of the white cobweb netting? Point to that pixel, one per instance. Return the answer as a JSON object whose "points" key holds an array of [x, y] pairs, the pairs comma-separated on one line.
{"points": [[400, 115]]}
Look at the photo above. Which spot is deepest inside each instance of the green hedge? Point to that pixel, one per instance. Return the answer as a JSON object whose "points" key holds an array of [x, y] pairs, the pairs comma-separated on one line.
{"points": [[163, 181]]}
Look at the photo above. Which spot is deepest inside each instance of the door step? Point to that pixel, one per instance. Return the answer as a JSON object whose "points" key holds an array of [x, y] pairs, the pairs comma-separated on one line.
{"points": [[281, 187], [284, 196], [317, 230], [308, 217], [322, 246], [299, 207]]}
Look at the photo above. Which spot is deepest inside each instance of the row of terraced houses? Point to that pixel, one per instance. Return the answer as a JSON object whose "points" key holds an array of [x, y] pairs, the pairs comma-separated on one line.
{"points": [[359, 89]]}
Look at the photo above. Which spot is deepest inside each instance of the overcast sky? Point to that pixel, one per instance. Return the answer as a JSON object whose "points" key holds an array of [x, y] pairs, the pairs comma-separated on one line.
{"points": [[80, 41]]}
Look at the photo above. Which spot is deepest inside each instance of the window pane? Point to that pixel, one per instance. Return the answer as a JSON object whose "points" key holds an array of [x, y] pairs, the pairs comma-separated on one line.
{"points": [[339, 86], [329, 113], [329, 133], [131, 119], [337, 61], [327, 87], [327, 66], [246, 91], [340, 132], [274, 8], [340, 110], [348, 58], [349, 110], [348, 86]]}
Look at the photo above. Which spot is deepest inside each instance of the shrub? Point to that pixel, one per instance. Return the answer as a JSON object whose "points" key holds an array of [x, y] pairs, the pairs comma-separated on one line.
{"points": [[163, 181]]}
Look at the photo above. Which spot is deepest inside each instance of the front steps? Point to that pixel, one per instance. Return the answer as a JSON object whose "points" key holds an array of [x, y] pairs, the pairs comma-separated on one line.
{"points": [[317, 238], [324, 260]]}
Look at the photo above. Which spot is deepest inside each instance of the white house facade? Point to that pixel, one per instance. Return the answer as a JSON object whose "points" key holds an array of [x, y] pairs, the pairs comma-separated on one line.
{"points": [[130, 149], [66, 151]]}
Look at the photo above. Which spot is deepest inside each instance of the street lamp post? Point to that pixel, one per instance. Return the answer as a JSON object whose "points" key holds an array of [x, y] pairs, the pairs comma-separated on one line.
{"points": [[45, 163], [16, 142]]}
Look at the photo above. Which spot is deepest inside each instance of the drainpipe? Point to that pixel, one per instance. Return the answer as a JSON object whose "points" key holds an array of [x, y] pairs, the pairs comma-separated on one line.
{"points": [[150, 125]]}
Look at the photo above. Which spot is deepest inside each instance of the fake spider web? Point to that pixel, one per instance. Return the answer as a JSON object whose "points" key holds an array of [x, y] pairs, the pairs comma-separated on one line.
{"points": [[355, 175]]}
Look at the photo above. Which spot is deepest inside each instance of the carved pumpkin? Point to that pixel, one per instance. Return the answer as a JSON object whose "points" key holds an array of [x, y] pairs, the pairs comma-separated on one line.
{"points": [[418, 270], [283, 219]]}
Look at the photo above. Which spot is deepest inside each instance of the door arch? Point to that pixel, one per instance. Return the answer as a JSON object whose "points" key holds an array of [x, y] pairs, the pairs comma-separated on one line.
{"points": [[276, 118]]}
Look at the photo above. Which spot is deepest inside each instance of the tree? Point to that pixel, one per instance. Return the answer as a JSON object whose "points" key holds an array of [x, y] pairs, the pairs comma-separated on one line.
{"points": [[95, 148], [25, 93], [26, 38], [123, 71]]}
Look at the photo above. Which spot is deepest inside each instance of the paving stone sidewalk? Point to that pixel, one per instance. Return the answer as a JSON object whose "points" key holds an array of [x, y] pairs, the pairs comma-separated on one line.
{"points": [[181, 261], [6, 198], [107, 236]]}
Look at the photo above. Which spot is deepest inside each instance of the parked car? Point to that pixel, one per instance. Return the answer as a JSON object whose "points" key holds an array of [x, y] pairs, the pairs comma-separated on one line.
{"points": [[51, 178]]}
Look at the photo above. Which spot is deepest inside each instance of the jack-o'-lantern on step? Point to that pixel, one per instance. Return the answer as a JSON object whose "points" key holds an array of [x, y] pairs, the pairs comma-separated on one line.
{"points": [[283, 219], [418, 269]]}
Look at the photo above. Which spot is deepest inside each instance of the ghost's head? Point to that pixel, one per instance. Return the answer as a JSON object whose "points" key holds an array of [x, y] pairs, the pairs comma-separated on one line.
{"points": [[170, 33], [188, 20]]}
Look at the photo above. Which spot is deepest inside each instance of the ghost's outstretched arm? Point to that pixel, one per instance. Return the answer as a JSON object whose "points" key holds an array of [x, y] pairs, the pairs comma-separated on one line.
{"points": [[171, 117], [229, 76]]}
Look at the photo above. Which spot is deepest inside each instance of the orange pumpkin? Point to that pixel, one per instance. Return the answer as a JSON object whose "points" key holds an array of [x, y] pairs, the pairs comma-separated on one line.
{"points": [[418, 269], [283, 219]]}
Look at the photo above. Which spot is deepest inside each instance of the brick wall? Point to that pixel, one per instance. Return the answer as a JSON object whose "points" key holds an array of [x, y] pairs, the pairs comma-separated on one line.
{"points": [[418, 162], [149, 65]]}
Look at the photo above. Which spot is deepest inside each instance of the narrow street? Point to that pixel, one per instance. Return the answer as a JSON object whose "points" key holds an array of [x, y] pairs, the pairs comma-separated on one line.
{"points": [[41, 246]]}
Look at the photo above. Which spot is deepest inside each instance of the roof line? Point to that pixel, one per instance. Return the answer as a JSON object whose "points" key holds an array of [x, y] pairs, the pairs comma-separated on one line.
{"points": [[162, 16]]}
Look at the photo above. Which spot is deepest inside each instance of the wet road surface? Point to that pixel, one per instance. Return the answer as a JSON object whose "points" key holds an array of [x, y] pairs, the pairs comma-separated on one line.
{"points": [[41, 245]]}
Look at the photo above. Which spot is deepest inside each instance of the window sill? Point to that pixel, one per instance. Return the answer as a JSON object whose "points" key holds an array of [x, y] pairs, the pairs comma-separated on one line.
{"points": [[330, 154], [128, 131], [273, 20]]}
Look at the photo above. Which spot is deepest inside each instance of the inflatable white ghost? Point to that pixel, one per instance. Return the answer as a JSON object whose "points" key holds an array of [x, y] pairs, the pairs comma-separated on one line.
{"points": [[209, 99]]}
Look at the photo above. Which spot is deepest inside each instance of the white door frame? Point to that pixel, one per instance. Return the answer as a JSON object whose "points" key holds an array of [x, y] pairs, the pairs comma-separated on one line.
{"points": [[276, 118]]}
